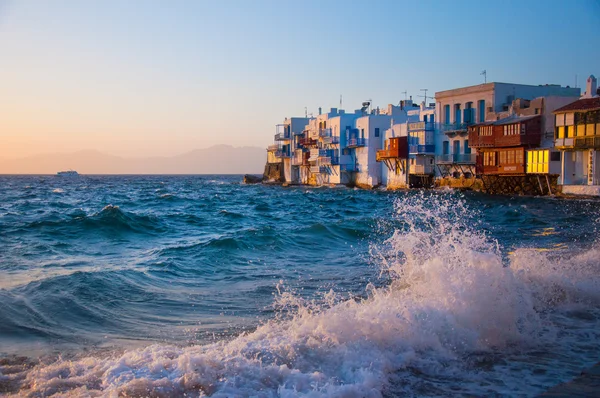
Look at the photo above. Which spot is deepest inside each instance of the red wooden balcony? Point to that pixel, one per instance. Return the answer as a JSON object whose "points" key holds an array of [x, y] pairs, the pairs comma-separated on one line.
{"points": [[395, 148]]}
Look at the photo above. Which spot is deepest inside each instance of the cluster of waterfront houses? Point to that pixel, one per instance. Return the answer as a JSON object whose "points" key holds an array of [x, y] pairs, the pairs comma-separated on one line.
{"points": [[500, 137]]}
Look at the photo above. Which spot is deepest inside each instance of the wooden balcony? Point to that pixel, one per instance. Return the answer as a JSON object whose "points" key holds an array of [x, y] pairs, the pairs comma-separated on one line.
{"points": [[505, 169], [517, 140], [395, 148], [307, 141]]}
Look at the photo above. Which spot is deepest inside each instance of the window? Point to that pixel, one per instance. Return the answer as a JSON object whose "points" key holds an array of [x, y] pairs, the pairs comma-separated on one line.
{"points": [[510, 157], [362, 133], [555, 156], [489, 158], [589, 129], [519, 156], [570, 131], [377, 132], [502, 157], [523, 131], [580, 130]]}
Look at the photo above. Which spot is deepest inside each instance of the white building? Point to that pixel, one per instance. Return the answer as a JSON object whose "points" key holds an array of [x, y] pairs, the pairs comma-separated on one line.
{"points": [[283, 150]]}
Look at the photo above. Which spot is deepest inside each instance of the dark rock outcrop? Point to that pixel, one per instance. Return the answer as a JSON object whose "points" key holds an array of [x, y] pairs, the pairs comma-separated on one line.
{"points": [[252, 179]]}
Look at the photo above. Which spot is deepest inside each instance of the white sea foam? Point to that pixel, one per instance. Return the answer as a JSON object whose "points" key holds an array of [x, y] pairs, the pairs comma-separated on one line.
{"points": [[58, 190], [452, 297]]}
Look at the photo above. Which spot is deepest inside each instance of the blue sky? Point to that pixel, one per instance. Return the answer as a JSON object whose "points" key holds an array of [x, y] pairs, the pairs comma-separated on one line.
{"points": [[142, 78]]}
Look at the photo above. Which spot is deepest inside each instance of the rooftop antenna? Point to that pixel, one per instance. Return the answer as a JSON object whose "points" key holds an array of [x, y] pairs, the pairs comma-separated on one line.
{"points": [[305, 113], [340, 101], [575, 81], [484, 73], [424, 96]]}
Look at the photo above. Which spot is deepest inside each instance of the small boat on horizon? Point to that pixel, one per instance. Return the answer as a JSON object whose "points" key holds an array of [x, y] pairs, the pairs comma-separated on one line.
{"points": [[68, 173]]}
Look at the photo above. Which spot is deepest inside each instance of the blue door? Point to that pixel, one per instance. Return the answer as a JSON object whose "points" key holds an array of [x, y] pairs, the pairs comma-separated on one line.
{"points": [[456, 149], [447, 114], [481, 105], [446, 148], [457, 115]]}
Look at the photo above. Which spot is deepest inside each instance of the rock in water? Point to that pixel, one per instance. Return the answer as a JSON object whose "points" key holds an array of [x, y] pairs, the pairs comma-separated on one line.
{"points": [[250, 179]]}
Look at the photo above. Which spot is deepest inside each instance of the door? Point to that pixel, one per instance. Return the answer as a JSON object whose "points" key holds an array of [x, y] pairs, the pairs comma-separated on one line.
{"points": [[456, 148], [446, 148]]}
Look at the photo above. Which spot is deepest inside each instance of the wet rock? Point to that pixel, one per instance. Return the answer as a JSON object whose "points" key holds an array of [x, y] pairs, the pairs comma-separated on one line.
{"points": [[251, 179]]}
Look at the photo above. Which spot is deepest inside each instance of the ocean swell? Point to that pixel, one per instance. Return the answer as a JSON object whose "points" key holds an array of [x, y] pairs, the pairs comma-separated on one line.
{"points": [[454, 304]]}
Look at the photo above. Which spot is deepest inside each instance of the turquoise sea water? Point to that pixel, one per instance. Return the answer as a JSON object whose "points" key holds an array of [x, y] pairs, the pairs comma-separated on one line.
{"points": [[201, 285]]}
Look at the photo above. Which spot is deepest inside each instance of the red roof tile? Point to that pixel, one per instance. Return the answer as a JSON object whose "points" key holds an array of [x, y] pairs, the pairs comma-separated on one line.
{"points": [[584, 104]]}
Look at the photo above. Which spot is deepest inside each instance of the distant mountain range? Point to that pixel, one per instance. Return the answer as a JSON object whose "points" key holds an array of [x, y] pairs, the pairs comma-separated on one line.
{"points": [[219, 159]]}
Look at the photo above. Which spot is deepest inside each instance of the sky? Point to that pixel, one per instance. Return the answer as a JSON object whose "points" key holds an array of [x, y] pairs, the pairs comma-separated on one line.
{"points": [[159, 78]]}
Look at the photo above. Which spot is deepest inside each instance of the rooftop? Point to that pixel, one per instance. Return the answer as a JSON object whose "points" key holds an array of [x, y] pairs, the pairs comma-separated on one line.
{"points": [[584, 104]]}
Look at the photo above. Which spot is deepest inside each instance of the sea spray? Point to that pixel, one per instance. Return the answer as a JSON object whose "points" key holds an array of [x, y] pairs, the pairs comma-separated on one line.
{"points": [[455, 307]]}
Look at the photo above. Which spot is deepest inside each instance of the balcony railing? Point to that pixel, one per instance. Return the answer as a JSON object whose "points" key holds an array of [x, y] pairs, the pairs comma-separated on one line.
{"points": [[349, 167], [282, 154], [325, 133], [587, 142], [328, 152], [459, 158], [315, 169], [420, 169], [356, 142], [331, 140], [332, 160], [421, 149], [421, 126], [282, 136], [306, 141], [455, 127]]}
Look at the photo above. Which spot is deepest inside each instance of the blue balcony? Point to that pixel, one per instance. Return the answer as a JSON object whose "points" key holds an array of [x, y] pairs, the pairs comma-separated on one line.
{"points": [[331, 140], [421, 149], [455, 128], [421, 126], [333, 160], [282, 154], [328, 152], [323, 133], [349, 167], [356, 142], [458, 158]]}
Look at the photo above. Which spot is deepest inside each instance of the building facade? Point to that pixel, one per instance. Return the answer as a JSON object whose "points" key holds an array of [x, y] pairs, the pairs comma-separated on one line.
{"points": [[577, 137], [463, 107]]}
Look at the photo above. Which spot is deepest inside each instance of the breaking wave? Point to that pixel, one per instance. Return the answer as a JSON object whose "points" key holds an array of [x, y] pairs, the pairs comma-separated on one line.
{"points": [[454, 307]]}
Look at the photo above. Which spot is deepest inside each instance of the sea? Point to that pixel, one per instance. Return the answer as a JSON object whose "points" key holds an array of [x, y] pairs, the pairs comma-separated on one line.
{"points": [[194, 286]]}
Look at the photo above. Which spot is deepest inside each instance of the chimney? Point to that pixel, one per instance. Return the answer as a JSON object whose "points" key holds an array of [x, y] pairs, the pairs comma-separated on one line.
{"points": [[320, 110], [590, 87]]}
